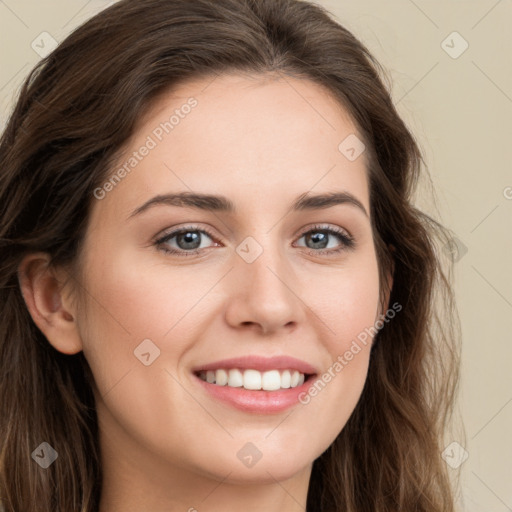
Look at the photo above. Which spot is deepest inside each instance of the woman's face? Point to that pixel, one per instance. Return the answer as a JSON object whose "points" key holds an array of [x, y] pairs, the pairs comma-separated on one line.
{"points": [[263, 282]]}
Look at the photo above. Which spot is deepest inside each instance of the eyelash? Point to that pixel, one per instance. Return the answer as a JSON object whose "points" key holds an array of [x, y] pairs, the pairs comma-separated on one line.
{"points": [[348, 242]]}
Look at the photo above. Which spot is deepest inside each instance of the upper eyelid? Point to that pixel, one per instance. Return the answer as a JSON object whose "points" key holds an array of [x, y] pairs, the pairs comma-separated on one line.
{"points": [[171, 233]]}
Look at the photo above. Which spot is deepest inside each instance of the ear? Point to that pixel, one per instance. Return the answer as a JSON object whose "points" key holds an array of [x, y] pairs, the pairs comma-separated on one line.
{"points": [[43, 288]]}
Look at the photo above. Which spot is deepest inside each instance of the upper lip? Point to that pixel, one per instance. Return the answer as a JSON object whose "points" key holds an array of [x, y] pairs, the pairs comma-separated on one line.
{"points": [[260, 363]]}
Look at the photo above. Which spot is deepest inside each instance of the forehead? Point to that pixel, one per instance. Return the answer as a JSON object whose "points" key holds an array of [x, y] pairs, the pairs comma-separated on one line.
{"points": [[263, 136]]}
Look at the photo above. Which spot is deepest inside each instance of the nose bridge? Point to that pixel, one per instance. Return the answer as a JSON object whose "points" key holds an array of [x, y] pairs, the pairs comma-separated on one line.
{"points": [[262, 261], [263, 277]]}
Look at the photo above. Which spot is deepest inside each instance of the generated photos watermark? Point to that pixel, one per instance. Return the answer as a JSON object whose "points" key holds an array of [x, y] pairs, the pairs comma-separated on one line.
{"points": [[151, 142], [344, 359]]}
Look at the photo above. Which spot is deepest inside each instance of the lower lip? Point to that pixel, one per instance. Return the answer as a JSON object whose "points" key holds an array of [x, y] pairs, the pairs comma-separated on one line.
{"points": [[258, 401]]}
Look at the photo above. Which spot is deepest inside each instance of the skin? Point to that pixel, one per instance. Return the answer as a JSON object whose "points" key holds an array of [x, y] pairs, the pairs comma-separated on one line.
{"points": [[166, 445]]}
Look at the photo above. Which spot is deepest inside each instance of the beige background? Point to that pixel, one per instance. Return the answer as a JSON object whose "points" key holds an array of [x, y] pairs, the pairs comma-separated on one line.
{"points": [[460, 110]]}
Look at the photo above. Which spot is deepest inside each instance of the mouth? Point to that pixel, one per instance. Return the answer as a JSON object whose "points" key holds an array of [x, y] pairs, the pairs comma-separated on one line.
{"points": [[255, 384], [254, 380]]}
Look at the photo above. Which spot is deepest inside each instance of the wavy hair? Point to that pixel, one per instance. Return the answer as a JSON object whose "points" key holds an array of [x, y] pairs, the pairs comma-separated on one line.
{"points": [[77, 108]]}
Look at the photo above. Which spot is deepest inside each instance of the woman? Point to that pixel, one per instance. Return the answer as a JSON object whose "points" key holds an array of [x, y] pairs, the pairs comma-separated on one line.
{"points": [[216, 291]]}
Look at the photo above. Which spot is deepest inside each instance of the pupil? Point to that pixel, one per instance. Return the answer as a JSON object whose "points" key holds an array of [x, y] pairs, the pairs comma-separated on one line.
{"points": [[319, 240], [191, 240]]}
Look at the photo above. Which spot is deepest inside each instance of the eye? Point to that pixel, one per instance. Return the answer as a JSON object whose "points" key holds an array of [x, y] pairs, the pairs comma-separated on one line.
{"points": [[319, 237], [188, 239]]}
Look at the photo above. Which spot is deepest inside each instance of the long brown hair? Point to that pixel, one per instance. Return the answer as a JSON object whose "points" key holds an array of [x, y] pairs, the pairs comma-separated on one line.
{"points": [[78, 107]]}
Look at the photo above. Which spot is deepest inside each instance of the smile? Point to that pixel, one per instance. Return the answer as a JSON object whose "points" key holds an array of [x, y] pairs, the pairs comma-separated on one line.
{"points": [[256, 384], [251, 379]]}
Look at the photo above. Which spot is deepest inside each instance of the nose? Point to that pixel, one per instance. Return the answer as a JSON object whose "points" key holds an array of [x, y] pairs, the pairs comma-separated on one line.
{"points": [[263, 295]]}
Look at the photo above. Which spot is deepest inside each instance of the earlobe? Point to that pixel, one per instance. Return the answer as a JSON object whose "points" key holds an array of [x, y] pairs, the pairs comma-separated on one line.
{"points": [[42, 288]]}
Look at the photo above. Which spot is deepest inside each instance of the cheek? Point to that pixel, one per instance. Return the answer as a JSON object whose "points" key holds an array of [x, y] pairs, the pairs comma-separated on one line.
{"points": [[348, 308], [346, 300], [334, 394], [129, 301], [126, 304], [138, 291]]}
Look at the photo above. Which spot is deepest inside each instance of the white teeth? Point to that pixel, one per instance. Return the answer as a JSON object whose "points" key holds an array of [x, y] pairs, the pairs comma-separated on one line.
{"points": [[236, 379], [221, 377], [254, 380], [271, 380], [286, 379]]}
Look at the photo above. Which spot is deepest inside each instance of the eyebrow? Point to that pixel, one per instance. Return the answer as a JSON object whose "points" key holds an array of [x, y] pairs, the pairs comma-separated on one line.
{"points": [[217, 203]]}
